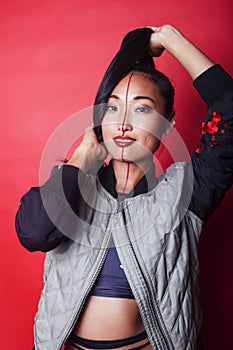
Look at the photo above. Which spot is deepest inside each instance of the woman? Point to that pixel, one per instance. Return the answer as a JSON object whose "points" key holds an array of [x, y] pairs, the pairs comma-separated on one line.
{"points": [[121, 269]]}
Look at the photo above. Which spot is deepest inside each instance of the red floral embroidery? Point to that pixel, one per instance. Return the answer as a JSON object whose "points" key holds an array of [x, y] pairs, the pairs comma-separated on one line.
{"points": [[211, 128], [198, 149]]}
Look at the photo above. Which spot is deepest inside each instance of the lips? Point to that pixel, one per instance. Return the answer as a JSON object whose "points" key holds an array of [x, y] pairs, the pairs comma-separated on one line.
{"points": [[121, 141]]}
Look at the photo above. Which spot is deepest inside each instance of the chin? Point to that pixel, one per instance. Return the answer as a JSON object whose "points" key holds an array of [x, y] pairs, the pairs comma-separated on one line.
{"points": [[141, 162], [123, 160]]}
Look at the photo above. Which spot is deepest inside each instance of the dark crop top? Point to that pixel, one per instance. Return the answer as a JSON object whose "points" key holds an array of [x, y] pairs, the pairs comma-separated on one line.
{"points": [[112, 281]]}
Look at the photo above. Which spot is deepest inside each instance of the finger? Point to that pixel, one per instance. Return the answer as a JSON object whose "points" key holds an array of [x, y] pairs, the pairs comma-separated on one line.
{"points": [[89, 128], [104, 153], [155, 29]]}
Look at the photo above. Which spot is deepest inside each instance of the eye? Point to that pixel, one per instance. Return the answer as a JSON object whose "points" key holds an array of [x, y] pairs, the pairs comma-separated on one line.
{"points": [[143, 109], [111, 107]]}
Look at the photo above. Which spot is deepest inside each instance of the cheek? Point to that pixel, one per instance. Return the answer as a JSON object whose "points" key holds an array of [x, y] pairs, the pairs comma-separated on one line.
{"points": [[152, 124], [151, 132], [155, 145], [108, 132], [151, 142]]}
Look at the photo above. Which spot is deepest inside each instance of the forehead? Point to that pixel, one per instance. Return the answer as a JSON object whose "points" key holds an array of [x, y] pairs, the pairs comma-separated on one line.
{"points": [[136, 84]]}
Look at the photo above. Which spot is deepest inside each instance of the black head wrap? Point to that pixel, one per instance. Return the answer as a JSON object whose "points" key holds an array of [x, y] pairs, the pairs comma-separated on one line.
{"points": [[133, 55]]}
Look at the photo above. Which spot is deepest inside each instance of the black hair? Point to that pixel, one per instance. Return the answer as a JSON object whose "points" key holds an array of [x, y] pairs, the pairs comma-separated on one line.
{"points": [[133, 56]]}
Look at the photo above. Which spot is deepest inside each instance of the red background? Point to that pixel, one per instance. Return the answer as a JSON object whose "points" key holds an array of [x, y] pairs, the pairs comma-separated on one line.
{"points": [[53, 55]]}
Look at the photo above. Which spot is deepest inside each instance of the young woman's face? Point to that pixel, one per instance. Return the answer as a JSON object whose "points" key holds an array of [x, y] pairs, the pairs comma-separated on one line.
{"points": [[133, 123]]}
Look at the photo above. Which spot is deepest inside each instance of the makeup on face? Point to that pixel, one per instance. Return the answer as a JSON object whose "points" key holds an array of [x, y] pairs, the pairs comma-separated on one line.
{"points": [[133, 121], [132, 125]]}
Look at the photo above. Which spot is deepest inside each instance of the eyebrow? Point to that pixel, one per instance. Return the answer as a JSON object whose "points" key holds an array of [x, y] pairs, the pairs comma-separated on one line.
{"points": [[144, 98], [136, 98]]}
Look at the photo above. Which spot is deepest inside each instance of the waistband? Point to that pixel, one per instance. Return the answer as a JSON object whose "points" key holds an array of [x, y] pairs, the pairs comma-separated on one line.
{"points": [[77, 342]]}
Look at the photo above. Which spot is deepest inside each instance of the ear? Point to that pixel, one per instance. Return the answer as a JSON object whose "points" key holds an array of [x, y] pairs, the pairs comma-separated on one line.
{"points": [[172, 123]]}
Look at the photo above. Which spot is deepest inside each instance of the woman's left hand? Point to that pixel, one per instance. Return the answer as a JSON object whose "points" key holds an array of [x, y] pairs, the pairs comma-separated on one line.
{"points": [[170, 38], [155, 47]]}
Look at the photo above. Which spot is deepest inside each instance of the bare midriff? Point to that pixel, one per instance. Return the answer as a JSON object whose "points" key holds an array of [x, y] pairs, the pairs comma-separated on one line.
{"points": [[110, 319]]}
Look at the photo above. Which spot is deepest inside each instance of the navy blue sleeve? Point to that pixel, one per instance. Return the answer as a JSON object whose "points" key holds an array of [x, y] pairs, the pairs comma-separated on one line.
{"points": [[35, 223], [212, 160]]}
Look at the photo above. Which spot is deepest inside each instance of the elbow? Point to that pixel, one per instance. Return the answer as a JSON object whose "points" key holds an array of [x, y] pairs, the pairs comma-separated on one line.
{"points": [[28, 237], [34, 238]]}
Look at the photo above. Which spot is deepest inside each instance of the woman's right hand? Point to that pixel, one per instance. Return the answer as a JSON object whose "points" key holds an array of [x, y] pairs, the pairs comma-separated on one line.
{"points": [[88, 152]]}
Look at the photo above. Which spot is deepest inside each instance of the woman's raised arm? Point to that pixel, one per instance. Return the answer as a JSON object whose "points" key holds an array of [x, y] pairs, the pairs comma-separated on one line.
{"points": [[190, 57], [212, 161]]}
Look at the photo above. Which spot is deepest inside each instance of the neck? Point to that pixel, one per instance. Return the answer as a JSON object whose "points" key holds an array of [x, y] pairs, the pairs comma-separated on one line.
{"points": [[127, 174]]}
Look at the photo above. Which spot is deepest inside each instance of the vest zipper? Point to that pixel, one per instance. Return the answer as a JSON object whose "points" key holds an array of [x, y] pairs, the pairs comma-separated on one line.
{"points": [[75, 318], [156, 318]]}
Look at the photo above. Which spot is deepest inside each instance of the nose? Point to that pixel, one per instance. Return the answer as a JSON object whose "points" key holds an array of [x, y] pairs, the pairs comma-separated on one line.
{"points": [[126, 124]]}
